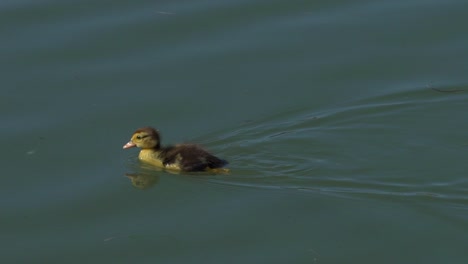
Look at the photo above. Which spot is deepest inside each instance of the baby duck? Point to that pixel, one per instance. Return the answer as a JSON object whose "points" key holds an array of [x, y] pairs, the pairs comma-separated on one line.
{"points": [[181, 157]]}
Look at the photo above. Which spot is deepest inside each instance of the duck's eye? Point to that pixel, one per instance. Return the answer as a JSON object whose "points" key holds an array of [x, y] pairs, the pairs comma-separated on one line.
{"points": [[138, 137]]}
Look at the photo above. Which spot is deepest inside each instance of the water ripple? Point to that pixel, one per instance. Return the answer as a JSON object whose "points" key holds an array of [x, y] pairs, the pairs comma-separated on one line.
{"points": [[368, 148]]}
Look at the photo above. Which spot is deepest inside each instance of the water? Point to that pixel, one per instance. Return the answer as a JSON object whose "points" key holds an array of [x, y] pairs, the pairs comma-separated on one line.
{"points": [[344, 124]]}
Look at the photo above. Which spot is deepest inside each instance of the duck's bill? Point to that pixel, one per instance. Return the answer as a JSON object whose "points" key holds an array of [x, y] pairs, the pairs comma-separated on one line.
{"points": [[129, 145]]}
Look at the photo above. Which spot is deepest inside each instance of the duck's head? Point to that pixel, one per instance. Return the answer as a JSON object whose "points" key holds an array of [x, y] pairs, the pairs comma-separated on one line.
{"points": [[145, 138]]}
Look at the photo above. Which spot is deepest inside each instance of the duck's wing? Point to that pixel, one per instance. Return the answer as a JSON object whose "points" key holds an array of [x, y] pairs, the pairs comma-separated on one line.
{"points": [[192, 158], [202, 162]]}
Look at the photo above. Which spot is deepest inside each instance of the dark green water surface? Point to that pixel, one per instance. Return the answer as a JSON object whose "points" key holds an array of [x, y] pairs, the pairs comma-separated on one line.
{"points": [[345, 124]]}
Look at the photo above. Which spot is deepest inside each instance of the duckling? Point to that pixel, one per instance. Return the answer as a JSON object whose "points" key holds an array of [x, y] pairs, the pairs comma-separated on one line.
{"points": [[180, 157]]}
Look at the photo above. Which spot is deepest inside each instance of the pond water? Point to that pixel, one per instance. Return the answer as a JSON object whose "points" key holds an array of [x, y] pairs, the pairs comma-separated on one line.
{"points": [[344, 124]]}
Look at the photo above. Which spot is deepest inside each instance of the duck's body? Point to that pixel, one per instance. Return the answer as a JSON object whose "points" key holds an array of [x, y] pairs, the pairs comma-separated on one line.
{"points": [[181, 157]]}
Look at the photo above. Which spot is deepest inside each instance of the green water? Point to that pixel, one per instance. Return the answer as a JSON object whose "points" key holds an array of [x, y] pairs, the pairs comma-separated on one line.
{"points": [[344, 124]]}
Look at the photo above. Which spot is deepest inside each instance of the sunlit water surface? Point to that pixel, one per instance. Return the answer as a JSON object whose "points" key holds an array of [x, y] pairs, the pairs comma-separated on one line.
{"points": [[344, 125]]}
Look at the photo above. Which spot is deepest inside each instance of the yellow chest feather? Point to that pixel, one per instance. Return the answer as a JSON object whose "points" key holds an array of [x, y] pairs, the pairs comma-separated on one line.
{"points": [[152, 157]]}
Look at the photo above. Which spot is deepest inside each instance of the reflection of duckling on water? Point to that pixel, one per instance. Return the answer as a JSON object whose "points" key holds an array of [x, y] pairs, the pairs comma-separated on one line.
{"points": [[142, 181], [181, 157]]}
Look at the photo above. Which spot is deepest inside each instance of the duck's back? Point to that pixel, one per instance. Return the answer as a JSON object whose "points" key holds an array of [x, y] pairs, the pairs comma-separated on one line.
{"points": [[190, 157]]}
